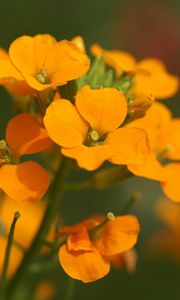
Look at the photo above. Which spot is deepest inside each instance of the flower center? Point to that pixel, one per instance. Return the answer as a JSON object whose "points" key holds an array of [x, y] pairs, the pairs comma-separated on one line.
{"points": [[5, 153], [42, 76], [94, 135]]}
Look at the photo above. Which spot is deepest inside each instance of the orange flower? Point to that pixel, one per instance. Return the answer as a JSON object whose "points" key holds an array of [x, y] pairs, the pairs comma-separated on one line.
{"points": [[127, 259], [166, 241], [85, 256], [26, 181], [149, 75], [15, 84], [152, 77], [43, 62], [26, 228], [163, 133], [89, 133]]}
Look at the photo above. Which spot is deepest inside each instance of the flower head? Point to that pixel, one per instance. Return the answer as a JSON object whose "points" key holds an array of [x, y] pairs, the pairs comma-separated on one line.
{"points": [[26, 181], [43, 62], [90, 243], [163, 133], [89, 130], [149, 75]]}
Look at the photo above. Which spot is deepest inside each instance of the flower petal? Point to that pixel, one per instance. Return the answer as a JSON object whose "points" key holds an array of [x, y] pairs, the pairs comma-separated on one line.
{"points": [[155, 79], [171, 187], [130, 146], [105, 109], [64, 124], [79, 241], [151, 168], [25, 182], [118, 235], [169, 137], [28, 53], [89, 158], [66, 62], [121, 61], [84, 266], [7, 70], [25, 135]]}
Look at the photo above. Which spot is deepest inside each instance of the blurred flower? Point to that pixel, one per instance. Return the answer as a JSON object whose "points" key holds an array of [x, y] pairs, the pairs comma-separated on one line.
{"points": [[43, 62], [89, 133], [127, 259], [163, 133], [166, 241], [26, 181], [149, 75], [90, 243], [45, 291], [26, 228]]}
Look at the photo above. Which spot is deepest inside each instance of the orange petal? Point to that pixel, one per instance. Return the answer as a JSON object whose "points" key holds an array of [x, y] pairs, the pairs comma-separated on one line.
{"points": [[84, 266], [25, 182], [169, 137], [118, 235], [89, 158], [64, 124], [28, 53], [25, 135], [26, 228], [151, 169], [79, 42], [157, 115], [79, 241], [171, 187], [104, 109], [130, 146], [169, 213], [155, 79], [121, 61], [66, 62], [7, 70], [3, 54]]}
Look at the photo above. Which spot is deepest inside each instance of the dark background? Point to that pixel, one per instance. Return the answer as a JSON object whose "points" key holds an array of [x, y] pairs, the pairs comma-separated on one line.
{"points": [[145, 28]]}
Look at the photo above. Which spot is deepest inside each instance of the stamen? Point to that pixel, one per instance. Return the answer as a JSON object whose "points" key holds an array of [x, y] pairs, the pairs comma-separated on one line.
{"points": [[94, 135], [42, 76], [110, 216], [3, 144]]}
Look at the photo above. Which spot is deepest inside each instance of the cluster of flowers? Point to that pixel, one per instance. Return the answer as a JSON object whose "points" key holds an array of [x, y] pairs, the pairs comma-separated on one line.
{"points": [[103, 112]]}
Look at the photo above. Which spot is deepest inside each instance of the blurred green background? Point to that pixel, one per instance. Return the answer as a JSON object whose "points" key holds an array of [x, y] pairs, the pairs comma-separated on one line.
{"points": [[145, 28]]}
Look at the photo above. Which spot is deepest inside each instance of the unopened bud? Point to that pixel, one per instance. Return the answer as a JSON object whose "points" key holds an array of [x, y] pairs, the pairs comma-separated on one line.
{"points": [[139, 104]]}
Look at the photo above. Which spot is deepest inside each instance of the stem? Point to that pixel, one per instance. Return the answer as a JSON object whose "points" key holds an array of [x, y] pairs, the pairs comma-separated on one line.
{"points": [[70, 289], [135, 197], [55, 195], [8, 249]]}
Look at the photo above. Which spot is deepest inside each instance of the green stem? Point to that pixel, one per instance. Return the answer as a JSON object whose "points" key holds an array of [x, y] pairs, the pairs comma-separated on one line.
{"points": [[135, 197], [8, 250], [70, 289], [55, 195]]}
